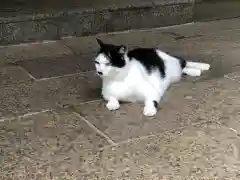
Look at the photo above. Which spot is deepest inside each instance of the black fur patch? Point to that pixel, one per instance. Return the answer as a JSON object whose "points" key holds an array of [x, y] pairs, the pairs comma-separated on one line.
{"points": [[112, 52], [155, 104], [182, 61], [148, 58]]}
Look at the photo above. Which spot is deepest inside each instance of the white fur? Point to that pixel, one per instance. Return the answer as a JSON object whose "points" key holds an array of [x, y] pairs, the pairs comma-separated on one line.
{"points": [[192, 71], [201, 66], [133, 83]]}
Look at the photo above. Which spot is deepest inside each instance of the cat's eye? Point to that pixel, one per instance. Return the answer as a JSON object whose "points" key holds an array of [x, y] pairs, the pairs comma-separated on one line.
{"points": [[96, 62]]}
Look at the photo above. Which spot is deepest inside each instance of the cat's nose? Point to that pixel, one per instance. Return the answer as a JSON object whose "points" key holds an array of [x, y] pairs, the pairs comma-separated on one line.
{"points": [[100, 73]]}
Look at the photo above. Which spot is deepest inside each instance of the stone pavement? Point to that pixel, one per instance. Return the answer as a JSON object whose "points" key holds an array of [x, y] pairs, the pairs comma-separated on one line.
{"points": [[54, 126]]}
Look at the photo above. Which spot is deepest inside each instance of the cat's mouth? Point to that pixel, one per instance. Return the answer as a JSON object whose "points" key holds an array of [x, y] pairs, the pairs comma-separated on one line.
{"points": [[99, 73]]}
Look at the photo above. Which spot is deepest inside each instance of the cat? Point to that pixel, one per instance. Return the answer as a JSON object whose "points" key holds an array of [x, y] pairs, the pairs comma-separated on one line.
{"points": [[140, 75]]}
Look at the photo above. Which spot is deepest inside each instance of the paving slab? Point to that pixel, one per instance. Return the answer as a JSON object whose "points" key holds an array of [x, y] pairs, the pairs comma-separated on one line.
{"points": [[184, 104], [222, 30], [33, 51], [217, 47], [133, 38], [59, 66], [46, 146], [21, 98], [208, 29], [207, 151], [58, 145], [230, 116], [209, 10], [13, 75], [216, 43]]}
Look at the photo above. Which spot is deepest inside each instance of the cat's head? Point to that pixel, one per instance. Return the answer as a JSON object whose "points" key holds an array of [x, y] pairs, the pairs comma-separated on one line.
{"points": [[110, 59]]}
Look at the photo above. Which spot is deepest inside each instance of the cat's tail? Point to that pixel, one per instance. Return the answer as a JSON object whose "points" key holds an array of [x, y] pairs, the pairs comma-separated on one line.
{"points": [[195, 68]]}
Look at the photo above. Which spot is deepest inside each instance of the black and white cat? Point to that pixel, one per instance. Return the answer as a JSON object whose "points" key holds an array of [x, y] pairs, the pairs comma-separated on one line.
{"points": [[140, 75]]}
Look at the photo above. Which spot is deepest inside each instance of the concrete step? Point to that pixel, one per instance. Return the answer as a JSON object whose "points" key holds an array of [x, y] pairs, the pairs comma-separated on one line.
{"points": [[24, 21], [27, 21]]}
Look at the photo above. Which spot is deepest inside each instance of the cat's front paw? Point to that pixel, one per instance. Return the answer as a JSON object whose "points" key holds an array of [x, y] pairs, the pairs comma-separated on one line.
{"points": [[113, 105], [149, 111]]}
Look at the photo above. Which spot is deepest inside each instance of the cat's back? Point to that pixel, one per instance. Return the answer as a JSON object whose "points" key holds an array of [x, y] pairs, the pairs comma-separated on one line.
{"points": [[148, 58], [169, 66]]}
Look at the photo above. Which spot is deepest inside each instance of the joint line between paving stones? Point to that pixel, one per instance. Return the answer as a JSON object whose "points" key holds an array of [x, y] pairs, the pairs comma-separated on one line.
{"points": [[157, 134], [43, 111], [69, 47], [63, 76], [24, 115], [234, 130], [96, 129], [231, 129], [64, 106], [31, 76], [227, 77]]}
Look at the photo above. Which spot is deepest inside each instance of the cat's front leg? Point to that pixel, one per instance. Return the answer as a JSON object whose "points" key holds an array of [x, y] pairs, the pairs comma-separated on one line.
{"points": [[112, 103]]}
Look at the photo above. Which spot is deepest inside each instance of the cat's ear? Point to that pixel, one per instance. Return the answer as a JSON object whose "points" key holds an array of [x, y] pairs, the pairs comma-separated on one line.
{"points": [[100, 43], [122, 49]]}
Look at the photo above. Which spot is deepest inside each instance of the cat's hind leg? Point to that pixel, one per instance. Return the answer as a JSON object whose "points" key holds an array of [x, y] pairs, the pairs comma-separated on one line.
{"points": [[153, 97], [192, 71], [150, 107], [195, 68], [198, 65]]}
